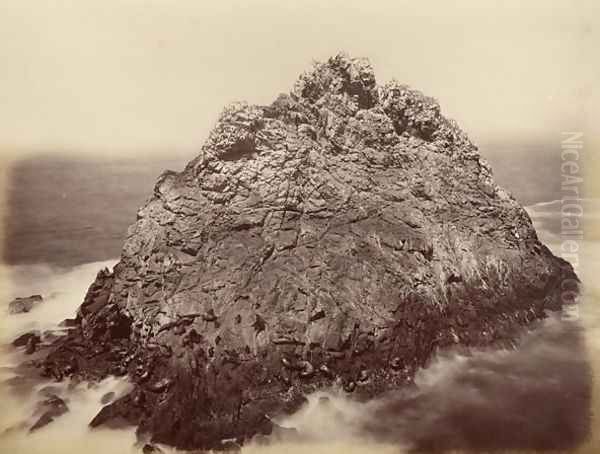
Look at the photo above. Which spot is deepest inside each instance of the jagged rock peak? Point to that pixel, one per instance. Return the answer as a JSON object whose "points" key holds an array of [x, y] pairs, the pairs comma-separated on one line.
{"points": [[339, 75], [337, 101]]}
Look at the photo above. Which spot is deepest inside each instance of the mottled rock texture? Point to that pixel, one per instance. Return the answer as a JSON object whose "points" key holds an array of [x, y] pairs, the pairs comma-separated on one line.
{"points": [[338, 236]]}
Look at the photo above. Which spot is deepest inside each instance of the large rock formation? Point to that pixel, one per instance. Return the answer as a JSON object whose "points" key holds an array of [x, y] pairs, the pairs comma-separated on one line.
{"points": [[338, 236]]}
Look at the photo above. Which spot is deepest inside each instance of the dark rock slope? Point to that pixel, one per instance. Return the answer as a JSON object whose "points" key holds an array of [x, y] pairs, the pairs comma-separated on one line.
{"points": [[338, 236]]}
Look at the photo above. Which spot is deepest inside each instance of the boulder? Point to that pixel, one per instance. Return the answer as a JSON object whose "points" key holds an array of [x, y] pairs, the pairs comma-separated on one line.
{"points": [[23, 339], [51, 408], [23, 305]]}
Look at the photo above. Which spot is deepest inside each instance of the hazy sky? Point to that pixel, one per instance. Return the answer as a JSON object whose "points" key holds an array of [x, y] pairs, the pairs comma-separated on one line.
{"points": [[153, 74]]}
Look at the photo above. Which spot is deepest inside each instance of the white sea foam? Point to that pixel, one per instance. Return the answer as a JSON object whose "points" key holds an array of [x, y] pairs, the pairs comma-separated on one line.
{"points": [[63, 290]]}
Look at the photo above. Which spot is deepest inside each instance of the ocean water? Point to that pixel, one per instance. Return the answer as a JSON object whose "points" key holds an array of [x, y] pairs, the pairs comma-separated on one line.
{"points": [[511, 399]]}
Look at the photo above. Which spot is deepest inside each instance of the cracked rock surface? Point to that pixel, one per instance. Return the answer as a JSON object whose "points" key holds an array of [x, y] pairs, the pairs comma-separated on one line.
{"points": [[339, 236]]}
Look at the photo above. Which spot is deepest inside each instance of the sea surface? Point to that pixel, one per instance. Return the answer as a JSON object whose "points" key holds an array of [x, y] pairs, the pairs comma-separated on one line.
{"points": [[67, 219]]}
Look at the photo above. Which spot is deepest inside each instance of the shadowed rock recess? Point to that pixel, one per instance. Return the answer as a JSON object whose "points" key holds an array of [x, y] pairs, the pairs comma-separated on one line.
{"points": [[339, 236]]}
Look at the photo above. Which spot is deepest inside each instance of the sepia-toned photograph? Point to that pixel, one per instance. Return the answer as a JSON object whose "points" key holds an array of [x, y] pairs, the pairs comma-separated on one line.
{"points": [[300, 227]]}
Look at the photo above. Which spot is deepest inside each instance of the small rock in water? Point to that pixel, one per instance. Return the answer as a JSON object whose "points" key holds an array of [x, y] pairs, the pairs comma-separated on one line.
{"points": [[23, 305], [44, 420], [23, 339], [54, 407]]}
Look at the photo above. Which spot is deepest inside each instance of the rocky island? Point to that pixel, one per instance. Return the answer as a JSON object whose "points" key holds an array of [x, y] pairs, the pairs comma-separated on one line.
{"points": [[337, 237]]}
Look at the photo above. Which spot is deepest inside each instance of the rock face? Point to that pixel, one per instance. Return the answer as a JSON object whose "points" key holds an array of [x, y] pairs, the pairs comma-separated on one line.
{"points": [[338, 236]]}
